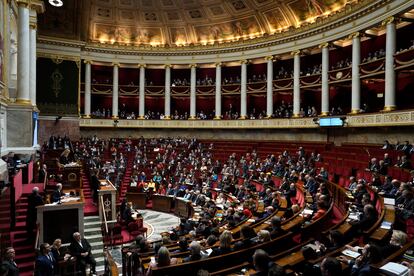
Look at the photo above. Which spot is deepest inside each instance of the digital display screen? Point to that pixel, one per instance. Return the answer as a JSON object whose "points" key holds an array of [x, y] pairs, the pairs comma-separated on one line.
{"points": [[327, 122]]}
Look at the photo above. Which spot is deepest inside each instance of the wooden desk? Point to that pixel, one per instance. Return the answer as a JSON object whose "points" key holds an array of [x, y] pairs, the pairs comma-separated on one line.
{"points": [[183, 208], [72, 177], [162, 203], [61, 220], [139, 200], [107, 200]]}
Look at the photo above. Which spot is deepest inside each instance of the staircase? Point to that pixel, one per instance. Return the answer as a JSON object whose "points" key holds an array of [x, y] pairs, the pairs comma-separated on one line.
{"points": [[93, 234]]}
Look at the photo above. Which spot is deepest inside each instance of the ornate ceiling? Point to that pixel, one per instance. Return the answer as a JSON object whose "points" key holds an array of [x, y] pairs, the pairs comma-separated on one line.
{"points": [[180, 22]]}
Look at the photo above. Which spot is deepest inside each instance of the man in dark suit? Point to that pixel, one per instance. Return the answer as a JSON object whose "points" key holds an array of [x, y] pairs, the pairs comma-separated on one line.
{"points": [[95, 185], [33, 200], [57, 194], [82, 250], [9, 262], [42, 173], [45, 262]]}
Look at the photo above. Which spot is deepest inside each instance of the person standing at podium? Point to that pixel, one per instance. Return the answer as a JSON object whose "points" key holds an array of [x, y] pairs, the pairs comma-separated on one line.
{"points": [[57, 194]]}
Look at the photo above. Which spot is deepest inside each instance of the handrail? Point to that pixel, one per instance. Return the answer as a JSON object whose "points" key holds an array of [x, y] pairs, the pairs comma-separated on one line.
{"points": [[37, 236], [104, 215]]}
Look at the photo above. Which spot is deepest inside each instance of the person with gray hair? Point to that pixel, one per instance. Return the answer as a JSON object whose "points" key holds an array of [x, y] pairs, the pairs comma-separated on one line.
{"points": [[82, 250], [33, 200], [195, 252], [57, 194]]}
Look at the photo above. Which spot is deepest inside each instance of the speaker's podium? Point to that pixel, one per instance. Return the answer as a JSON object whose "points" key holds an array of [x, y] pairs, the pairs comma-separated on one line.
{"points": [[107, 201], [61, 220]]}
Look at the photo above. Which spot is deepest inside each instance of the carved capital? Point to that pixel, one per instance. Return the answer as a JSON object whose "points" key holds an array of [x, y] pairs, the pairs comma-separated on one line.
{"points": [[218, 64], [167, 66], [192, 65], [142, 65], [115, 64], [387, 21], [87, 61], [295, 53], [323, 45], [354, 35], [244, 61], [269, 58], [23, 3]]}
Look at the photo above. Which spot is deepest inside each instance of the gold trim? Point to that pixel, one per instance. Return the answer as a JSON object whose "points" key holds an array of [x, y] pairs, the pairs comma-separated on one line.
{"points": [[33, 25], [355, 111], [218, 64], [242, 117], [323, 45], [389, 108], [244, 61], [354, 35], [296, 115], [142, 65], [87, 61], [324, 114], [38, 6], [192, 65], [23, 102], [217, 117], [192, 118], [141, 118], [24, 3], [115, 64], [267, 58], [86, 116], [167, 66], [57, 57], [296, 52], [114, 117], [387, 21], [167, 118]]}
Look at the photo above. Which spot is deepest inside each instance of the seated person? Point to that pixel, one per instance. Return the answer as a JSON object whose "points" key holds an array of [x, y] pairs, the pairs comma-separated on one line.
{"points": [[366, 220], [247, 235], [225, 244], [162, 260], [127, 215], [195, 252], [57, 194]]}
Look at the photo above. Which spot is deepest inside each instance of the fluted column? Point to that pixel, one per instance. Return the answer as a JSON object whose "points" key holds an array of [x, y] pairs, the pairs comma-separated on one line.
{"points": [[87, 88], [32, 76], [325, 80], [167, 107], [356, 81], [115, 91], [296, 83], [23, 54], [193, 95], [243, 90], [269, 87], [141, 91], [218, 91], [390, 102]]}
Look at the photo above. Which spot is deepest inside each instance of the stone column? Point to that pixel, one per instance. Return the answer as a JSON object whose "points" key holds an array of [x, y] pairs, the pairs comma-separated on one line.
{"points": [[141, 91], [87, 88], [356, 81], [193, 91], [325, 80], [32, 77], [167, 107], [390, 102], [218, 91], [243, 90], [296, 83], [269, 87], [23, 54], [115, 91]]}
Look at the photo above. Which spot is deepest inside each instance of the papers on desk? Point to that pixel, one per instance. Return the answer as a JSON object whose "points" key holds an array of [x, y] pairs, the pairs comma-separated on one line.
{"points": [[389, 201], [250, 220], [386, 225], [353, 216], [307, 211], [350, 253], [206, 252], [67, 199], [73, 164], [392, 268]]}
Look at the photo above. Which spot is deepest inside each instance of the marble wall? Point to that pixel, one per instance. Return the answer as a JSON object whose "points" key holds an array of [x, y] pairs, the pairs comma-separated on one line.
{"points": [[19, 126], [64, 126]]}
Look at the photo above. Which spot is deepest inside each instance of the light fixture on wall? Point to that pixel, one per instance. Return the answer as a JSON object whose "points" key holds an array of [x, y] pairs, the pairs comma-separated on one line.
{"points": [[56, 3]]}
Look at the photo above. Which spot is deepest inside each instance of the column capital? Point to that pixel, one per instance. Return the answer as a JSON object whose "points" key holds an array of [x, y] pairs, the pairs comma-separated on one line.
{"points": [[38, 6], [387, 21], [192, 65], [296, 52], [115, 64], [218, 64], [87, 61], [244, 61], [167, 66], [323, 45], [23, 3], [142, 65], [33, 25], [269, 58], [354, 35]]}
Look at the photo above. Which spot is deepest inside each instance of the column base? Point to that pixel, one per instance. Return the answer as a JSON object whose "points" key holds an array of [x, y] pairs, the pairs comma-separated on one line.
{"points": [[324, 114], [23, 102], [268, 117], [86, 116], [192, 118], [242, 117], [296, 115], [167, 118], [355, 111], [141, 118], [389, 108], [115, 117], [217, 118]]}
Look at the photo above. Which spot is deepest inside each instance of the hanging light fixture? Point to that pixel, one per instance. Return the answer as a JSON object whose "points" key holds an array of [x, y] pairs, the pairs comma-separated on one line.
{"points": [[56, 3]]}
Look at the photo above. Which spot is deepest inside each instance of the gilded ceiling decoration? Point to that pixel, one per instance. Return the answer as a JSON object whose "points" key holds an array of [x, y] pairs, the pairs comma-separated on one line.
{"points": [[181, 22]]}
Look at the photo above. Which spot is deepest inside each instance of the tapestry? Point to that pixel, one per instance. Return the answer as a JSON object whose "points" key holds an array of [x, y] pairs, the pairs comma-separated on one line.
{"points": [[57, 86]]}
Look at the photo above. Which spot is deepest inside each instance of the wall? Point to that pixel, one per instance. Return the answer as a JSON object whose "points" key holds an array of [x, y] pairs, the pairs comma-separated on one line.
{"points": [[64, 126]]}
